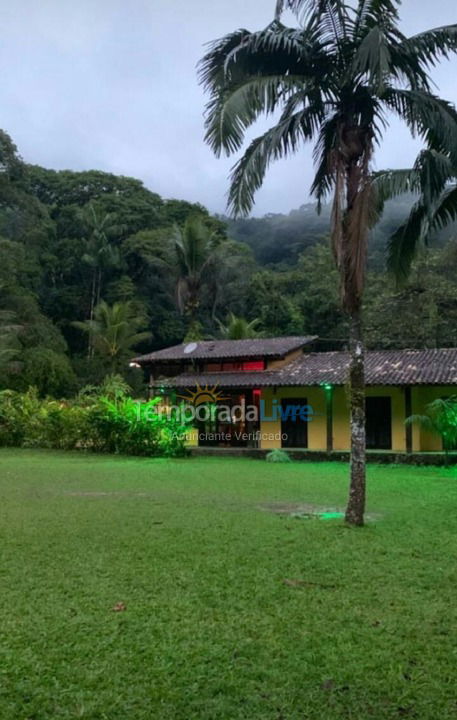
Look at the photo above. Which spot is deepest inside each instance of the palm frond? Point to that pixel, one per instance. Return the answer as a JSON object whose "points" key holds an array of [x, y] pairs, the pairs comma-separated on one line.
{"points": [[279, 9], [373, 57], [370, 13], [278, 142], [331, 17], [424, 421], [233, 111], [254, 77], [273, 50], [430, 175], [211, 67], [446, 210], [392, 183], [324, 179], [438, 164], [406, 68], [426, 115], [435, 170], [238, 328], [433, 45], [404, 244], [436, 207]]}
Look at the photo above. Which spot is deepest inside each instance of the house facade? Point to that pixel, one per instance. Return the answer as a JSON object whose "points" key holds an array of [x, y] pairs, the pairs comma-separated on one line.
{"points": [[281, 393]]}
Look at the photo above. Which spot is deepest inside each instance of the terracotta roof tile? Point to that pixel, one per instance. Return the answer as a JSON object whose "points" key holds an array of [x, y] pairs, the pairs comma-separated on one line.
{"points": [[221, 349], [383, 367]]}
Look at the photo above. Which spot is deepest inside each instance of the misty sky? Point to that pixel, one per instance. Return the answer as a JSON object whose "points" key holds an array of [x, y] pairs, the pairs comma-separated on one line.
{"points": [[111, 85]]}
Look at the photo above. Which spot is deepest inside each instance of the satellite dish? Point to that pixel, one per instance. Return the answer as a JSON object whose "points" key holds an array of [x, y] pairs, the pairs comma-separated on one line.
{"points": [[190, 348]]}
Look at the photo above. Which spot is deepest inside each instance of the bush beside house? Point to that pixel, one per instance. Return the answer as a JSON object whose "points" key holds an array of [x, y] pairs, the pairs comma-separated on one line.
{"points": [[104, 421]]}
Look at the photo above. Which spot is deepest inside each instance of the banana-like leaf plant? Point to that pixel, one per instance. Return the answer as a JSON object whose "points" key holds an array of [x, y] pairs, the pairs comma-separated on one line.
{"points": [[440, 418]]}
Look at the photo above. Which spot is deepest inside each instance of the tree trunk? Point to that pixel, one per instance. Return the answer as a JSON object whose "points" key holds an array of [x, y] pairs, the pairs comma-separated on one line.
{"points": [[99, 285], [91, 317], [356, 504]]}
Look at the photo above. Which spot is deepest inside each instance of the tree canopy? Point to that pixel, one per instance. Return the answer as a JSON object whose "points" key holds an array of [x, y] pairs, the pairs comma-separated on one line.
{"points": [[277, 269]]}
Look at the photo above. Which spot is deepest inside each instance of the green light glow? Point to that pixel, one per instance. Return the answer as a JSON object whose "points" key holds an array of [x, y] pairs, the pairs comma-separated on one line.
{"points": [[331, 515]]}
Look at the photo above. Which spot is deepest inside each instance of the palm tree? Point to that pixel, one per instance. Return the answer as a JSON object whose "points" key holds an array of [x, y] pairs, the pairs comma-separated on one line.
{"points": [[434, 179], [195, 246], [238, 328], [440, 418], [115, 332], [100, 254], [332, 80]]}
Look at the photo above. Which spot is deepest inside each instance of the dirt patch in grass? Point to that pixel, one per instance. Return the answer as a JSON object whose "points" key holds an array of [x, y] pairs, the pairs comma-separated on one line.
{"points": [[308, 510]]}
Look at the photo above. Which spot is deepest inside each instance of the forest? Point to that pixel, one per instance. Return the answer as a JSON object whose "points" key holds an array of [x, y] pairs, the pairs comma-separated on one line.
{"points": [[95, 268]]}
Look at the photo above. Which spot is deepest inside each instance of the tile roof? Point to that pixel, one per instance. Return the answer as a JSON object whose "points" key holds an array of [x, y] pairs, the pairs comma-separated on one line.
{"points": [[383, 367], [221, 349]]}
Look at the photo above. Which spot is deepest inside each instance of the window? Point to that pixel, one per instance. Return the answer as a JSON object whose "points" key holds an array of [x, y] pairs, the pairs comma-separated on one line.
{"points": [[248, 366], [253, 366]]}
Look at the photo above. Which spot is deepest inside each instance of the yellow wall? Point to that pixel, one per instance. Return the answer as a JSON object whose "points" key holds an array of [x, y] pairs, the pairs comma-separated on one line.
{"points": [[341, 433], [275, 364], [317, 429], [192, 438], [270, 431]]}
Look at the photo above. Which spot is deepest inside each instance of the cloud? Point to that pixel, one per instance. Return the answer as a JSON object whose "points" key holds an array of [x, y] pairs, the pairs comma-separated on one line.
{"points": [[112, 85]]}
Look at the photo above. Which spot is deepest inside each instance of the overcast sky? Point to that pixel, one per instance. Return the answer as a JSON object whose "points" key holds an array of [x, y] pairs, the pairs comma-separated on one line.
{"points": [[111, 85]]}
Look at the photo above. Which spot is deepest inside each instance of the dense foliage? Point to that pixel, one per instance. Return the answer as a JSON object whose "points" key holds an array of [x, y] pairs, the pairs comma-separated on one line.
{"points": [[107, 420], [95, 267]]}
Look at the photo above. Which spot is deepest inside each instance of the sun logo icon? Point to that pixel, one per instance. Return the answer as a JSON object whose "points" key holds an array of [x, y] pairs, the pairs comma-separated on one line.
{"points": [[203, 395]]}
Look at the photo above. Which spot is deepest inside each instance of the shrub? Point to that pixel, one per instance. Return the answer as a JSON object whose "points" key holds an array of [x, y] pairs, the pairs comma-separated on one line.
{"points": [[112, 422], [132, 427], [66, 427], [28, 421], [21, 418], [278, 456]]}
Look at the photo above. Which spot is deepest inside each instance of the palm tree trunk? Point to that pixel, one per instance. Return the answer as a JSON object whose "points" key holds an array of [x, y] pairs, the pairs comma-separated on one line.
{"points": [[99, 285], [91, 317], [356, 504]]}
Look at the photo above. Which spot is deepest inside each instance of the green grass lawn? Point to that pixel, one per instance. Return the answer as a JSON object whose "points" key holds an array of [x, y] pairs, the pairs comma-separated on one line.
{"points": [[365, 627]]}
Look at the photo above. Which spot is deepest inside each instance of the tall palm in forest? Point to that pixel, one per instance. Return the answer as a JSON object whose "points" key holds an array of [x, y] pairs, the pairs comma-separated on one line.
{"points": [[99, 254], [195, 246], [115, 332], [333, 80], [434, 180]]}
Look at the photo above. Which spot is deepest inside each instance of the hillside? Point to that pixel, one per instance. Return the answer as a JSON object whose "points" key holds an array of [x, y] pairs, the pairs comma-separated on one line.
{"points": [[65, 234]]}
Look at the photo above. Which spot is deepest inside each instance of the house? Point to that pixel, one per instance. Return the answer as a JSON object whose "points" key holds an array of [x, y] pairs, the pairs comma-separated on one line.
{"points": [[280, 392]]}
